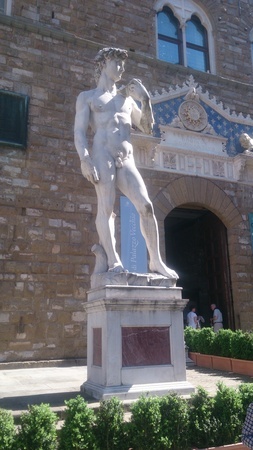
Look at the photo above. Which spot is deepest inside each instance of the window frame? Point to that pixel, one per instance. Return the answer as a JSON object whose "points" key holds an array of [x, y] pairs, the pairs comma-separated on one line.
{"points": [[178, 41], [203, 49], [21, 103], [7, 7], [184, 11]]}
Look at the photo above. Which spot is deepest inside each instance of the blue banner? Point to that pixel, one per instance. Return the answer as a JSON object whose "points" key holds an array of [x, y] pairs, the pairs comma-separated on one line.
{"points": [[133, 246], [251, 227]]}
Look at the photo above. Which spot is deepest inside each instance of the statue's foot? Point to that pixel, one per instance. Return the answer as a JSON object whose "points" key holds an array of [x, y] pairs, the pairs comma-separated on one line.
{"points": [[161, 268], [117, 268]]}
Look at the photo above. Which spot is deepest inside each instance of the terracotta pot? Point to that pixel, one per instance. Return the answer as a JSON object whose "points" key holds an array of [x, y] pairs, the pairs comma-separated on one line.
{"points": [[193, 356], [204, 361], [242, 366], [222, 363]]}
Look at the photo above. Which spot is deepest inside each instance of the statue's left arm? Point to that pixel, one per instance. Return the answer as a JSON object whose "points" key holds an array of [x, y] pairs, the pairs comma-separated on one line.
{"points": [[142, 118]]}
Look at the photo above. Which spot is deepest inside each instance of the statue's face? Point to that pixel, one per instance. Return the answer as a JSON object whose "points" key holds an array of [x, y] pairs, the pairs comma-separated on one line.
{"points": [[114, 68]]}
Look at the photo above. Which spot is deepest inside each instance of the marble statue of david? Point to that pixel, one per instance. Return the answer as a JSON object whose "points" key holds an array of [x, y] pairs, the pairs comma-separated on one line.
{"points": [[110, 163]]}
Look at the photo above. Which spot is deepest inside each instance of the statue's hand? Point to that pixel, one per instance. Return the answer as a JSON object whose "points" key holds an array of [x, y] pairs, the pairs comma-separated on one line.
{"points": [[89, 171], [136, 90]]}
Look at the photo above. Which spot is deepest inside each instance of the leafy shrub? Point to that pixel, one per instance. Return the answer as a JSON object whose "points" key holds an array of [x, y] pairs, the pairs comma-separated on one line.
{"points": [[38, 429], [246, 395], [77, 432], [145, 425], [157, 423], [237, 344], [228, 343], [7, 430], [174, 422], [242, 345], [229, 414], [191, 338], [222, 343], [203, 424], [248, 346], [109, 428], [206, 338]]}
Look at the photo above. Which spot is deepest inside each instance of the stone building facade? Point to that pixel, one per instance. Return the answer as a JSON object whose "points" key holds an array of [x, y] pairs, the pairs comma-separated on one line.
{"points": [[197, 174]]}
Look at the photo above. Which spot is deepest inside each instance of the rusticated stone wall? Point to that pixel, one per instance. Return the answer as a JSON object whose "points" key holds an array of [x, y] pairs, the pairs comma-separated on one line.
{"points": [[47, 209]]}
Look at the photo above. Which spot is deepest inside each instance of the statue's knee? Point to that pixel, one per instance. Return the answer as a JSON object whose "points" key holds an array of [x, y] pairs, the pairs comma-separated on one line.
{"points": [[147, 209]]}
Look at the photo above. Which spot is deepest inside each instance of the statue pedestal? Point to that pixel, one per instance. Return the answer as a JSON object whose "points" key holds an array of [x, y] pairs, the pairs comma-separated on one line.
{"points": [[135, 342]]}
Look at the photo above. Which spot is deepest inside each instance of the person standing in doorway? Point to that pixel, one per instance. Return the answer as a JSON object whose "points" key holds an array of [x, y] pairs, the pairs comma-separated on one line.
{"points": [[217, 319], [192, 319]]}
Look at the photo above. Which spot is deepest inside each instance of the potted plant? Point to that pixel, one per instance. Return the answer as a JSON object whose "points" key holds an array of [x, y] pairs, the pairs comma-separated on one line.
{"points": [[226, 350]]}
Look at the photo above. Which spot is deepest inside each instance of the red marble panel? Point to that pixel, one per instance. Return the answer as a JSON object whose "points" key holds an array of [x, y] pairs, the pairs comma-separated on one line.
{"points": [[97, 347], [145, 346]]}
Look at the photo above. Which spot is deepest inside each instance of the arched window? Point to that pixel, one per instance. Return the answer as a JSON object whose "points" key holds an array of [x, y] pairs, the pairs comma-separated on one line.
{"points": [[185, 35], [169, 37], [196, 45]]}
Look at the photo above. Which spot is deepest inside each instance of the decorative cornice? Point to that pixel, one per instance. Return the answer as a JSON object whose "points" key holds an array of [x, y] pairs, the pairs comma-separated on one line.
{"points": [[178, 91], [205, 159]]}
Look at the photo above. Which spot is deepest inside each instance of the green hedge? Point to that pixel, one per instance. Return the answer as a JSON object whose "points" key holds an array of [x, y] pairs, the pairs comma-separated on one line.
{"points": [[157, 423], [7, 430], [37, 430], [232, 344]]}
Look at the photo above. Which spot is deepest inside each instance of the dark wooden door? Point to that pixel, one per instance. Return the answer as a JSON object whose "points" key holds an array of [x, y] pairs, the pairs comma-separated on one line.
{"points": [[214, 236], [196, 247]]}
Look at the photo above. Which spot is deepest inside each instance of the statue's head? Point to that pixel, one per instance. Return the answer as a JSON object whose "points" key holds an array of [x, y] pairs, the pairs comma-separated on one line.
{"points": [[246, 141], [107, 54]]}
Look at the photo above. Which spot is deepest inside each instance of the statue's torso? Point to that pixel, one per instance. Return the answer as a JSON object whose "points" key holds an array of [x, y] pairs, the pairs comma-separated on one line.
{"points": [[111, 121]]}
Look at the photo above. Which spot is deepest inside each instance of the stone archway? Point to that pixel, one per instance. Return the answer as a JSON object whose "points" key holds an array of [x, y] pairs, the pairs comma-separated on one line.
{"points": [[202, 194], [199, 191]]}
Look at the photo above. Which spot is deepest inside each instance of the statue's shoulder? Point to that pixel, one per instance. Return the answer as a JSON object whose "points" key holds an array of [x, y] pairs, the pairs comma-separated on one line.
{"points": [[85, 97]]}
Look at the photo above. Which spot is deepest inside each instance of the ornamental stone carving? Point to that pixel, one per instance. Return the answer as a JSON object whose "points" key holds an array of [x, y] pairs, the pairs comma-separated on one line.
{"points": [[193, 115], [247, 143], [223, 149]]}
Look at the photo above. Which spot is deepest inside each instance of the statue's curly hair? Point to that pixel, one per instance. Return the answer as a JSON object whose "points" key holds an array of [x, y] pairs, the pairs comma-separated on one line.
{"points": [[103, 55]]}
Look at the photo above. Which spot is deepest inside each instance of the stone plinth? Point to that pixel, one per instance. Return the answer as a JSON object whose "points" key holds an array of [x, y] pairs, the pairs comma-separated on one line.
{"points": [[135, 342]]}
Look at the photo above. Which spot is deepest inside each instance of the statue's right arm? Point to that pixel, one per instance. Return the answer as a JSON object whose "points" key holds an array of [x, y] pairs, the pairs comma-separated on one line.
{"points": [[82, 120]]}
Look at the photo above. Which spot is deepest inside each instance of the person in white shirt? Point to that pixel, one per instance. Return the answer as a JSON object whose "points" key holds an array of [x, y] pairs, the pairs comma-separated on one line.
{"points": [[192, 319], [217, 319]]}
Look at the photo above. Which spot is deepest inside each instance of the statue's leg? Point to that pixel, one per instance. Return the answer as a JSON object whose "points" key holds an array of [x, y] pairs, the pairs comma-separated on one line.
{"points": [[132, 185], [105, 223]]}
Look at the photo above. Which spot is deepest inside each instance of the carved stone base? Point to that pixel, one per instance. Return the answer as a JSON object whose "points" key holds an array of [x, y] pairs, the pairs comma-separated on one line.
{"points": [[135, 338], [132, 392], [130, 279]]}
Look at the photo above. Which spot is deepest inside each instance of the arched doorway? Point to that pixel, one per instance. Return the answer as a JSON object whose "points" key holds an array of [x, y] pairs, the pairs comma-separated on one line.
{"points": [[196, 247]]}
